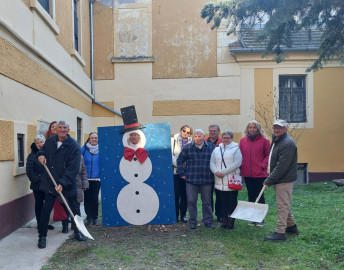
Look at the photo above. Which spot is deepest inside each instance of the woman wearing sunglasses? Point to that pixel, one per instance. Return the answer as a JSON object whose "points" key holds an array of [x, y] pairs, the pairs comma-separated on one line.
{"points": [[178, 141]]}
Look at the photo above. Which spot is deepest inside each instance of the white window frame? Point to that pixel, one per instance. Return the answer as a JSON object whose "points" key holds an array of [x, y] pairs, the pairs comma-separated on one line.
{"points": [[50, 17], [309, 92], [78, 53], [19, 128]]}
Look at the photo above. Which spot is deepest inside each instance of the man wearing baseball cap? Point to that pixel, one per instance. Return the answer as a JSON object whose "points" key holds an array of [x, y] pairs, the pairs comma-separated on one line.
{"points": [[283, 172]]}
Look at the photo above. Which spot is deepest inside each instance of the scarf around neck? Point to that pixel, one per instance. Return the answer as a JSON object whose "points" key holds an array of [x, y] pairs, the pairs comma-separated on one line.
{"points": [[252, 137], [93, 148]]}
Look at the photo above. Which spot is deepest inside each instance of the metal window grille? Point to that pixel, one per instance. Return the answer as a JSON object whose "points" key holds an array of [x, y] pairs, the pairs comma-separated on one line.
{"points": [[292, 98], [20, 143], [78, 129]]}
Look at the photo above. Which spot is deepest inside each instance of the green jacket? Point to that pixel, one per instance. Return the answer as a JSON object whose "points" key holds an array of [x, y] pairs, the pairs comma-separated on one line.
{"points": [[283, 163]]}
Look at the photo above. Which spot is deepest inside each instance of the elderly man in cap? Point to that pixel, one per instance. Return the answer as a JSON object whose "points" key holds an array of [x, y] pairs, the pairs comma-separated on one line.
{"points": [[283, 170]]}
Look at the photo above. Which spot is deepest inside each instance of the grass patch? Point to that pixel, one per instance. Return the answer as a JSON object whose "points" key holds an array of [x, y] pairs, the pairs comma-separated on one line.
{"points": [[317, 208]]}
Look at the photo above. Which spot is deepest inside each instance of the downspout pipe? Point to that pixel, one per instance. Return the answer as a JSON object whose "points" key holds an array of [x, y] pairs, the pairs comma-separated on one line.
{"points": [[92, 65]]}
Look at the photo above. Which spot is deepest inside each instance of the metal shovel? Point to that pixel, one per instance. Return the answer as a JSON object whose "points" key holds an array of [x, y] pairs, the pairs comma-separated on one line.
{"points": [[254, 212], [79, 221]]}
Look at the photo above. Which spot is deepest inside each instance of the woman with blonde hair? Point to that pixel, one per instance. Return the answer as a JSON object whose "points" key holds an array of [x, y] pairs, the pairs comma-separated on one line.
{"points": [[255, 148]]}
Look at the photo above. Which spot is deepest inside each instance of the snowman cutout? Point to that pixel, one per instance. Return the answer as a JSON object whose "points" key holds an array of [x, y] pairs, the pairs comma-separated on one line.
{"points": [[137, 202]]}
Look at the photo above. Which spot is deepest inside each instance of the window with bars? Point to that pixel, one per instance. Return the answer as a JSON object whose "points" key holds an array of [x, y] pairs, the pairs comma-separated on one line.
{"points": [[292, 98], [79, 130], [20, 144]]}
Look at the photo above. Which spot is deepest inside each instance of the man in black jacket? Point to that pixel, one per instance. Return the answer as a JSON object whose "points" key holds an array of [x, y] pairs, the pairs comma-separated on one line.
{"points": [[283, 172], [61, 153]]}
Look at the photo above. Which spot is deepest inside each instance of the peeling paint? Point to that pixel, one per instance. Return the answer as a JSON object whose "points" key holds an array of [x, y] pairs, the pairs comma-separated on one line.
{"points": [[132, 33]]}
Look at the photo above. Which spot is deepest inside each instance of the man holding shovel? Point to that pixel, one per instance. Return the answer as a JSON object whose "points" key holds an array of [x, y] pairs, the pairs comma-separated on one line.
{"points": [[283, 170], [61, 154]]}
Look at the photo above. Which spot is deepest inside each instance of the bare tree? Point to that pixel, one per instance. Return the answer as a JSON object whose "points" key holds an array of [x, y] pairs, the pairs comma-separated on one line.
{"points": [[268, 112]]}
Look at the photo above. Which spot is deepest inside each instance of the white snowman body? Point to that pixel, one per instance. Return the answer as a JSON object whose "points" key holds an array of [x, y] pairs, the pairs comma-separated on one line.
{"points": [[137, 202]]}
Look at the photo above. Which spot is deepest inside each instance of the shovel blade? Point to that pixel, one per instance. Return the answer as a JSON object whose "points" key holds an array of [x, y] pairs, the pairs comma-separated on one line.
{"points": [[79, 222], [253, 212]]}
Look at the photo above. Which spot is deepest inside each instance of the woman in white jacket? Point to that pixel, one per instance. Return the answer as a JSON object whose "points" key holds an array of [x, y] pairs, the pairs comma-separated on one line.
{"points": [[225, 161], [178, 141]]}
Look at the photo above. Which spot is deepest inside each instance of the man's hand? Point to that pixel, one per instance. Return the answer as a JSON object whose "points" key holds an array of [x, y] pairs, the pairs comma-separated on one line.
{"points": [[265, 186], [42, 160], [59, 188], [184, 177]]}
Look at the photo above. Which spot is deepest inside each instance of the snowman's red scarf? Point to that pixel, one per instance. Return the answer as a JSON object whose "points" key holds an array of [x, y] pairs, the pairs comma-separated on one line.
{"points": [[140, 153]]}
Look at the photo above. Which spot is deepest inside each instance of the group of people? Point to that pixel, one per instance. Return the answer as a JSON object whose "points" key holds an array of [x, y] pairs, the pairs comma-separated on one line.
{"points": [[201, 165], [204, 165], [76, 172]]}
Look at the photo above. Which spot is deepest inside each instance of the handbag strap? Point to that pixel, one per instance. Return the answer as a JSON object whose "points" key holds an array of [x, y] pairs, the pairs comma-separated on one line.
{"points": [[222, 157]]}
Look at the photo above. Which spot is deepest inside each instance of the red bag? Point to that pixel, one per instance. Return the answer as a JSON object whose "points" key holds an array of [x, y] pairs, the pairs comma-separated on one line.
{"points": [[234, 182], [59, 212]]}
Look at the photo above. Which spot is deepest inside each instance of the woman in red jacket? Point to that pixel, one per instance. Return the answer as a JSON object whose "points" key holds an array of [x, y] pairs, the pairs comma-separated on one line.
{"points": [[255, 148]]}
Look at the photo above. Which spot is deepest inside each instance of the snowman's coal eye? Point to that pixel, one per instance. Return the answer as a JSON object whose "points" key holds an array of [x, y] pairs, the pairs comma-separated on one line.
{"points": [[135, 158], [137, 193], [136, 175], [138, 211]]}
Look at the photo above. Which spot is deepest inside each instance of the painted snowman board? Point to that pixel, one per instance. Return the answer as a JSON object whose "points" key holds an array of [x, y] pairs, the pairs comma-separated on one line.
{"points": [[135, 193]]}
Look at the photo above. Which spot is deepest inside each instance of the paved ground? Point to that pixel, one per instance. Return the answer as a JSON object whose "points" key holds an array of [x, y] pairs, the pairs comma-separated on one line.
{"points": [[19, 250]]}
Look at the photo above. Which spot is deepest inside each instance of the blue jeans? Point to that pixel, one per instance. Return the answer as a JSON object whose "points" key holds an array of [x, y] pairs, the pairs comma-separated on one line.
{"points": [[192, 197]]}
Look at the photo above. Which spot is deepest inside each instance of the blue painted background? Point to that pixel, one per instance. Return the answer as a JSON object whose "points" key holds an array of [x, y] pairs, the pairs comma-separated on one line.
{"points": [[158, 145]]}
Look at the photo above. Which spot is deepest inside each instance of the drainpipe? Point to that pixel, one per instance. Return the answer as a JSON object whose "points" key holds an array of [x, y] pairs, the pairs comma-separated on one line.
{"points": [[92, 66]]}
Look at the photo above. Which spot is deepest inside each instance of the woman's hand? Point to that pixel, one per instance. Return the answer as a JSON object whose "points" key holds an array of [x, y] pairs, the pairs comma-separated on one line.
{"points": [[218, 174]]}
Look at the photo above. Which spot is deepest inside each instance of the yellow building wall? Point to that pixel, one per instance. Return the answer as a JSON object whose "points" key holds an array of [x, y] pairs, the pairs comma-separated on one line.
{"points": [[321, 145], [17, 66], [183, 44], [64, 15], [103, 21]]}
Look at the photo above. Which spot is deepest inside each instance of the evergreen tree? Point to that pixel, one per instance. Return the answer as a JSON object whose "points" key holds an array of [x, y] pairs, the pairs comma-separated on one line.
{"points": [[280, 18]]}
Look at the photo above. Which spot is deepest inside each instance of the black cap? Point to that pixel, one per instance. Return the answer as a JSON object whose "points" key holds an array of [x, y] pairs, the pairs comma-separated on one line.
{"points": [[130, 119]]}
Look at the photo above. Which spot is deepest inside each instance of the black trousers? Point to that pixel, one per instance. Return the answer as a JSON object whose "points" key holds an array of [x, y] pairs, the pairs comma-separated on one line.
{"points": [[39, 201], [180, 196], [91, 201], [228, 201], [46, 210], [254, 186]]}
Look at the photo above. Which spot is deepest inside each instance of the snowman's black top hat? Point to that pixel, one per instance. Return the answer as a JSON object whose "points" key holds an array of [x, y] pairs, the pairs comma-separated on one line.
{"points": [[130, 119]]}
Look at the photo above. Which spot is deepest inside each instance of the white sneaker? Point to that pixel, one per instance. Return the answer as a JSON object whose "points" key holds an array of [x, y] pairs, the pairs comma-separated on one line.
{"points": [[252, 224], [260, 224]]}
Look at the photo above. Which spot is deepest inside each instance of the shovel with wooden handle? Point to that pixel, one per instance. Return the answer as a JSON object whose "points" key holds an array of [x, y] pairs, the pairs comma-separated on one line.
{"points": [[79, 221], [254, 212]]}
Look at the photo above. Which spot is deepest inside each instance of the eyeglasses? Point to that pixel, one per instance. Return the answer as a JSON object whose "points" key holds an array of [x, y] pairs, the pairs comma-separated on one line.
{"points": [[226, 138], [187, 132]]}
